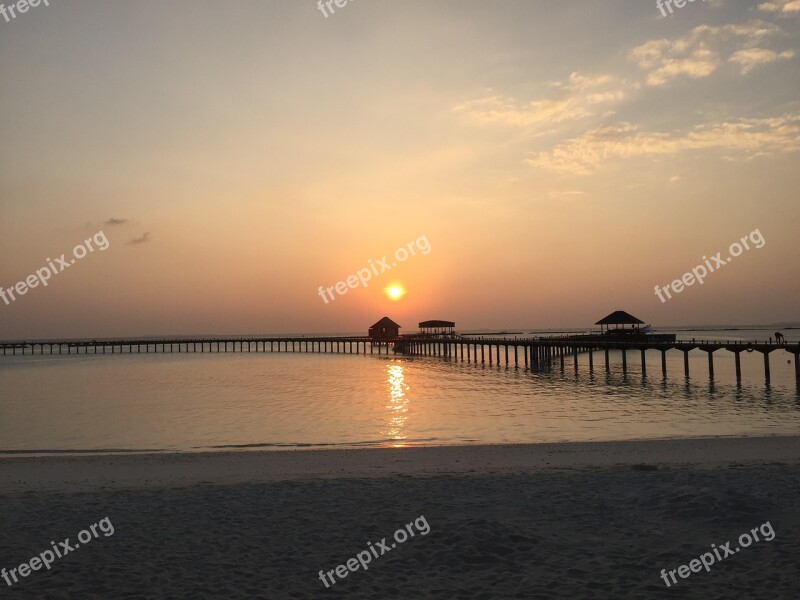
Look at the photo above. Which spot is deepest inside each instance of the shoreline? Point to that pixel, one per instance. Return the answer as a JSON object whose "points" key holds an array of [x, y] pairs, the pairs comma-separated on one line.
{"points": [[396, 445], [82, 472], [346, 446]]}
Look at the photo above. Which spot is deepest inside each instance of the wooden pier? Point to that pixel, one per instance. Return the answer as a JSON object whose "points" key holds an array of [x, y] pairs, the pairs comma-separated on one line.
{"points": [[532, 353], [343, 345], [537, 352]]}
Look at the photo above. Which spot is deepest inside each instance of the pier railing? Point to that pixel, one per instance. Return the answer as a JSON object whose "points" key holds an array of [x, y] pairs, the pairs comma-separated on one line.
{"points": [[320, 344]]}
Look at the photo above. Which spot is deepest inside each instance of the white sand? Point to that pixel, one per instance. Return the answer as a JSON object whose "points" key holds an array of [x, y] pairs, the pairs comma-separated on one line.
{"points": [[544, 521]]}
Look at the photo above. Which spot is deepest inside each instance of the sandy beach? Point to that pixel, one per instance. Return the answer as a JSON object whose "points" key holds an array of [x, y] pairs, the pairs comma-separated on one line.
{"points": [[589, 520]]}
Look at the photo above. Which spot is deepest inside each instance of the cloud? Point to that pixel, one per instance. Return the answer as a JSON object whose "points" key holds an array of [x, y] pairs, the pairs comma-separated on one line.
{"points": [[782, 7], [700, 52], [742, 139], [556, 194], [696, 55], [141, 240], [113, 221], [751, 58], [577, 97]]}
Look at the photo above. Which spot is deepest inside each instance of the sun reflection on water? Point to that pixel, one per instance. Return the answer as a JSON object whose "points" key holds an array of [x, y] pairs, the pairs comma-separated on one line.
{"points": [[398, 406]]}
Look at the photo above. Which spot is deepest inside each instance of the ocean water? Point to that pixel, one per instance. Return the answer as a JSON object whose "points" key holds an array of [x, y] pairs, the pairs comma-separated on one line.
{"points": [[192, 402]]}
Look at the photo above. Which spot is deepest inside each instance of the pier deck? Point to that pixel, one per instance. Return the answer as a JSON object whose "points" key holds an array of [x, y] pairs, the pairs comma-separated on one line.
{"points": [[535, 352]]}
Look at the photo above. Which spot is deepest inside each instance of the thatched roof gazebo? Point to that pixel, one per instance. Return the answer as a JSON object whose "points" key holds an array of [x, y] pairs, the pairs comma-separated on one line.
{"points": [[618, 321], [437, 327]]}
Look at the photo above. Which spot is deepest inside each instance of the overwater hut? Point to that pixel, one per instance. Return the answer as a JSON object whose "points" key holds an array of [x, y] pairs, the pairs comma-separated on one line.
{"points": [[383, 330]]}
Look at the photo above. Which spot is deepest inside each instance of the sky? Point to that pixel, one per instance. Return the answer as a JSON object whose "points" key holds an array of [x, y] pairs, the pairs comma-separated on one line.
{"points": [[558, 159]]}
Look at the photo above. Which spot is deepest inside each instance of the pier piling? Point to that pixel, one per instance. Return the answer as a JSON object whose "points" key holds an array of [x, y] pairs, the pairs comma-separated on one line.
{"points": [[535, 351], [644, 363]]}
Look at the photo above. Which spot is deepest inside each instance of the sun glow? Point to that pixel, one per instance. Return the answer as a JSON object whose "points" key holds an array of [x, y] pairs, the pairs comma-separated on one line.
{"points": [[395, 292]]}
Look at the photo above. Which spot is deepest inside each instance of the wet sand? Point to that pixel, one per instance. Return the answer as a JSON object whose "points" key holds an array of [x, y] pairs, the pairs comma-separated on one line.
{"points": [[81, 472], [541, 521]]}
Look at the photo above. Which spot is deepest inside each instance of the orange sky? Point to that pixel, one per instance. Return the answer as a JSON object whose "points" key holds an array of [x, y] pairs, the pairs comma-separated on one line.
{"points": [[562, 159]]}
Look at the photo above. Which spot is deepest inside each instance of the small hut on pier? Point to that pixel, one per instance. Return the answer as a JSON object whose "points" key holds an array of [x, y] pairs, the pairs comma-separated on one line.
{"points": [[437, 327], [384, 330], [617, 324]]}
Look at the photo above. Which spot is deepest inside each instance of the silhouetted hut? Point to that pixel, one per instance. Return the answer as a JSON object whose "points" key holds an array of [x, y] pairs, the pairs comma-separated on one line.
{"points": [[618, 321], [385, 329], [437, 327]]}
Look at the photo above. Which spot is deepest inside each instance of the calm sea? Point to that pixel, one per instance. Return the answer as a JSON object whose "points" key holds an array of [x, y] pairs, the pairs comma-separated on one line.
{"points": [[192, 402]]}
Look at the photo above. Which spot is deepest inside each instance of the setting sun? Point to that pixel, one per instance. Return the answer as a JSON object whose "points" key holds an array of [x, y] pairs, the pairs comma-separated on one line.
{"points": [[395, 292]]}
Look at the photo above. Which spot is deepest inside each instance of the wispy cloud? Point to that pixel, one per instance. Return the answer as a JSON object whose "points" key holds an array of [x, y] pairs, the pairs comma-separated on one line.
{"points": [[578, 97], [146, 237], [561, 194], [783, 7], [742, 139], [699, 53], [751, 58]]}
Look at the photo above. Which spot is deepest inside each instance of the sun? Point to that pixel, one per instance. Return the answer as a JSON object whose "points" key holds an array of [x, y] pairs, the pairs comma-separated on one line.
{"points": [[395, 292]]}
